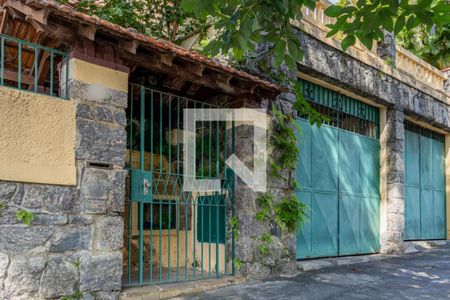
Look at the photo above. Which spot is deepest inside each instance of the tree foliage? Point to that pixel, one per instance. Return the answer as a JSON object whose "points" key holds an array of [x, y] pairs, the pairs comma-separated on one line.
{"points": [[158, 18], [432, 46], [365, 20]]}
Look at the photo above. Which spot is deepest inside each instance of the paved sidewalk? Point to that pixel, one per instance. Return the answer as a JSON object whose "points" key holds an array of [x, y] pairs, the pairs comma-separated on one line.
{"points": [[421, 275]]}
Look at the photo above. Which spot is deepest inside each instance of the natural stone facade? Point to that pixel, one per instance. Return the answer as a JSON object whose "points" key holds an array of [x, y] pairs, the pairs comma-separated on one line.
{"points": [[393, 205], [339, 69], [74, 243], [330, 65]]}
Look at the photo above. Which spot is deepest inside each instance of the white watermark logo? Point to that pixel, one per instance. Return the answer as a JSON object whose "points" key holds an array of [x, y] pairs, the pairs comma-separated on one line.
{"points": [[254, 118]]}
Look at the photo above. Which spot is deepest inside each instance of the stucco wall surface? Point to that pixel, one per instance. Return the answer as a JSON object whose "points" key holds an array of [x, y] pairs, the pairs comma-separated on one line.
{"points": [[37, 138]]}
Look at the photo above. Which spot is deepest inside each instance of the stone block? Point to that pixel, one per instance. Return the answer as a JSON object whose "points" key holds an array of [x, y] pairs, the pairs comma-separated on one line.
{"points": [[257, 271], [95, 93], [59, 277], [104, 114], [49, 219], [100, 142], [117, 203], [17, 239], [85, 111], [108, 233], [120, 117], [395, 162], [48, 198], [4, 263], [395, 191], [95, 184], [101, 271], [7, 191], [82, 219], [71, 237], [94, 206], [24, 274], [395, 177]]}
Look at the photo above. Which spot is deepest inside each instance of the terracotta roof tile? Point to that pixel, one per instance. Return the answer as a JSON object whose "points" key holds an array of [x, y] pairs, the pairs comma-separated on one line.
{"points": [[163, 45]]}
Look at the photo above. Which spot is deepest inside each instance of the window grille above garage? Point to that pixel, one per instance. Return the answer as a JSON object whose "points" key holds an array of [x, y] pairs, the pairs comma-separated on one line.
{"points": [[343, 111], [410, 126]]}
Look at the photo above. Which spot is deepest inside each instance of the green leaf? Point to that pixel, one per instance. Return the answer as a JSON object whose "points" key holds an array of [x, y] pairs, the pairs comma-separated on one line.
{"points": [[366, 40], [295, 50], [347, 42], [246, 27], [399, 24], [334, 11], [410, 23], [424, 3], [311, 4], [290, 62]]}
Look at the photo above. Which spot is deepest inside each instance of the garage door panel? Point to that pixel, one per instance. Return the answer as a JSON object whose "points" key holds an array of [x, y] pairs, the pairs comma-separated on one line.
{"points": [[325, 158], [426, 162], [324, 224], [412, 160], [439, 215], [425, 208], [427, 214], [303, 170], [349, 224], [370, 179], [412, 212], [438, 166], [304, 234], [369, 225], [349, 164]]}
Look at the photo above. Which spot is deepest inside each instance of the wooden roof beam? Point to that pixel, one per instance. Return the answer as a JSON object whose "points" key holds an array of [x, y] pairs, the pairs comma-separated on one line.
{"points": [[4, 22], [129, 46], [174, 83], [167, 59], [40, 15], [152, 62], [87, 31]]}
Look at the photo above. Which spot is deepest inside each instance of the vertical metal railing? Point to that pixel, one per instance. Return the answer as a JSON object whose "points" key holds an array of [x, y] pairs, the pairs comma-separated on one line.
{"points": [[23, 64], [178, 235]]}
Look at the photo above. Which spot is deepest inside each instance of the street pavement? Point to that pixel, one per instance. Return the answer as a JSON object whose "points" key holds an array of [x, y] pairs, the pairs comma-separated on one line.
{"points": [[421, 275]]}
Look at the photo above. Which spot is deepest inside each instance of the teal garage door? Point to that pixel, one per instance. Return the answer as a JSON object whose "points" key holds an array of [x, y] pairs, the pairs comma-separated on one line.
{"points": [[424, 184], [338, 174]]}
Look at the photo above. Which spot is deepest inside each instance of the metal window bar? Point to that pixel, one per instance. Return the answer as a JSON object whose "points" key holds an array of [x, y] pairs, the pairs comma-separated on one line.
{"points": [[343, 112], [410, 126], [176, 236], [32, 67]]}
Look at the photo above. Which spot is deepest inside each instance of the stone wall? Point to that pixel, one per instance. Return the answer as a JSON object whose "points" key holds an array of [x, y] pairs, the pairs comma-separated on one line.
{"points": [[280, 258], [344, 72], [73, 245], [339, 69]]}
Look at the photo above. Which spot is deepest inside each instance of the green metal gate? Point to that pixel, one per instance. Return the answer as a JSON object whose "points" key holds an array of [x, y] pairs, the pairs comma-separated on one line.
{"points": [[173, 235], [338, 174], [424, 184]]}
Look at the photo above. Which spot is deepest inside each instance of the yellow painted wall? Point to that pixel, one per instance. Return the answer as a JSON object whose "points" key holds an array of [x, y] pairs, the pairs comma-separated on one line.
{"points": [[383, 179], [37, 138], [447, 182], [96, 75]]}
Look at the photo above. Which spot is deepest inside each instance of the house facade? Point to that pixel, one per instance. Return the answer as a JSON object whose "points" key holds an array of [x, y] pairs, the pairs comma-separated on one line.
{"points": [[92, 127]]}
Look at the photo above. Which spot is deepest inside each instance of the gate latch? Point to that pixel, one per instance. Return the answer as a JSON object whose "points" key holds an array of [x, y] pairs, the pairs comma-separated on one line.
{"points": [[146, 186], [141, 186]]}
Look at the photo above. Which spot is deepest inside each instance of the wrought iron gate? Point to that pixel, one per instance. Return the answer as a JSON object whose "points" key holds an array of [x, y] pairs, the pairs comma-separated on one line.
{"points": [[173, 235]]}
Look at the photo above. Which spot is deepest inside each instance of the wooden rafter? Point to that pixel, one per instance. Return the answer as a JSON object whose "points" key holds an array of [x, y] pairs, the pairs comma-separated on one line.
{"points": [[153, 62]]}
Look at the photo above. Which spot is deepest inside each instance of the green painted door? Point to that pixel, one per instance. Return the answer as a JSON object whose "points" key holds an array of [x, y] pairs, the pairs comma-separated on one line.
{"points": [[424, 184], [338, 175]]}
